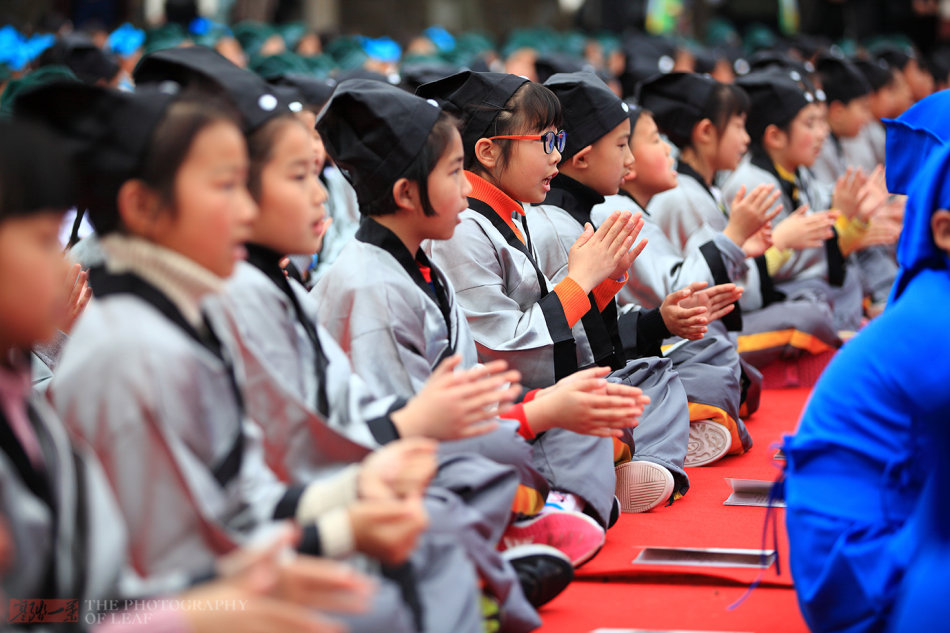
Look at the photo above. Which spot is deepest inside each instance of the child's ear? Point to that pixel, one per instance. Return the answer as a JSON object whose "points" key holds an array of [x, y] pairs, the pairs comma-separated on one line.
{"points": [[579, 160], [405, 193], [139, 206], [487, 153], [704, 132], [940, 226], [773, 137]]}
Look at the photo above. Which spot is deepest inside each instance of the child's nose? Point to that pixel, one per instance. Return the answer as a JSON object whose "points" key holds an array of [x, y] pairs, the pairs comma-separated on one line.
{"points": [[628, 159], [320, 195], [248, 210]]}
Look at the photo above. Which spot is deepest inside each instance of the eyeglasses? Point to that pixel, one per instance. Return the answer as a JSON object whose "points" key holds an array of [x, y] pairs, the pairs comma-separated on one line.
{"points": [[551, 140]]}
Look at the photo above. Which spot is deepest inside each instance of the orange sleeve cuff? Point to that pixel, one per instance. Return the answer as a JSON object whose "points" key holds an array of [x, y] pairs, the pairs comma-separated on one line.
{"points": [[573, 300], [607, 290]]}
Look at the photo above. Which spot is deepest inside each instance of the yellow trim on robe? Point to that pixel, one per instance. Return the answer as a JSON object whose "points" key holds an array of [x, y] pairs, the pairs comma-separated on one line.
{"points": [[775, 258], [527, 501], [778, 338], [622, 453], [850, 232], [698, 411]]}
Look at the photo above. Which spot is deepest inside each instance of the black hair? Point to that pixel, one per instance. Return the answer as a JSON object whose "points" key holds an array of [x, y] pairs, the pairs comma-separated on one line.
{"points": [[419, 169], [35, 174], [260, 149], [169, 144], [181, 12], [878, 74], [724, 102], [531, 108]]}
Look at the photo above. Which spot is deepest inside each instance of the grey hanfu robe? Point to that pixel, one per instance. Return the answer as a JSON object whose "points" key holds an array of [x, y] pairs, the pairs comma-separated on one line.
{"points": [[663, 269], [328, 408], [160, 402], [514, 315], [67, 534], [772, 324], [877, 264], [709, 372], [396, 328], [817, 274]]}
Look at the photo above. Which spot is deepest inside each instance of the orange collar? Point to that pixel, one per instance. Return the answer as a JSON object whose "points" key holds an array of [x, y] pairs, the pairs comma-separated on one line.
{"points": [[503, 204]]}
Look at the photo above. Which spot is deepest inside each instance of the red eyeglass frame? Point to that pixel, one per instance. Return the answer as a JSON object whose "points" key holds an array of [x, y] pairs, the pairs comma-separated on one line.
{"points": [[537, 137]]}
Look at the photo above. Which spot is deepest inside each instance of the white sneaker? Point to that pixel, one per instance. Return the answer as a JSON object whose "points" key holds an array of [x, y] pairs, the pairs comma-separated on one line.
{"points": [[642, 486], [708, 442]]}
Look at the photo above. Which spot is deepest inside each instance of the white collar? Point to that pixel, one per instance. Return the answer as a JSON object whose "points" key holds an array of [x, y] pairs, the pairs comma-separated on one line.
{"points": [[179, 278]]}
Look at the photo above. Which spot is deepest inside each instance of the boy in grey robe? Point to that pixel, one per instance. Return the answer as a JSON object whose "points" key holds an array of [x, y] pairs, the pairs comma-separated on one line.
{"points": [[710, 370]]}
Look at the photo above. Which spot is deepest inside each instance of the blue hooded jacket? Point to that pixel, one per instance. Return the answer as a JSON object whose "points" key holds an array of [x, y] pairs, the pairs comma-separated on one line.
{"points": [[859, 462]]}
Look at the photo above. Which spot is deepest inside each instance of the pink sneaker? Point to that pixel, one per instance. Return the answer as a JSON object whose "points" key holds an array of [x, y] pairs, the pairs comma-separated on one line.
{"points": [[575, 534]]}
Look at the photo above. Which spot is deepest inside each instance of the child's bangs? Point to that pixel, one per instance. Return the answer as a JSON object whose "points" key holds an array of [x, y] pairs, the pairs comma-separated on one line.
{"points": [[728, 101], [536, 107]]}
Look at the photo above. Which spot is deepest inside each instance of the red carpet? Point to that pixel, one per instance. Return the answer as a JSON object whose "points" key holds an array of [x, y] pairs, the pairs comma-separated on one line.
{"points": [[610, 592]]}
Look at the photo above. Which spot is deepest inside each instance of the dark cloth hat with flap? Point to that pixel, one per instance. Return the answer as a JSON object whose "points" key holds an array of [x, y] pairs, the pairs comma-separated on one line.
{"points": [[35, 175], [841, 79], [877, 72], [315, 92], [776, 97], [106, 132], [200, 67], [477, 98], [591, 109], [82, 56], [678, 102], [415, 73], [634, 113], [374, 131]]}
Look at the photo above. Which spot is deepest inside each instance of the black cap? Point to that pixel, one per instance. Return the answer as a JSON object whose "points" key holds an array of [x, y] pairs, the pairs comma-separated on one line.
{"points": [[775, 96], [476, 97], [364, 73], [374, 131], [771, 59], [893, 55], [315, 92], [678, 102], [645, 58], [840, 79], [418, 72], [634, 112], [204, 68], [553, 63], [590, 108], [106, 132], [35, 174], [706, 59], [82, 56], [876, 72]]}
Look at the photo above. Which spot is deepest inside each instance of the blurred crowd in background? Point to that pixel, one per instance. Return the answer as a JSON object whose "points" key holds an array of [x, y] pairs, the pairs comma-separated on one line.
{"points": [[409, 43]]}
